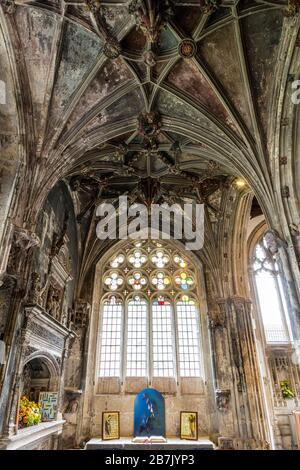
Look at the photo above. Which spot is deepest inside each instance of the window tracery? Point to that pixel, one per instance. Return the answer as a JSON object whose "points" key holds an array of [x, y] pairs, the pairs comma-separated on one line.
{"points": [[270, 293], [157, 318]]}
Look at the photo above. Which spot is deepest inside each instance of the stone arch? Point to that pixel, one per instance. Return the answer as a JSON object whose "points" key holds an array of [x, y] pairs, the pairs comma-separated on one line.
{"points": [[50, 362]]}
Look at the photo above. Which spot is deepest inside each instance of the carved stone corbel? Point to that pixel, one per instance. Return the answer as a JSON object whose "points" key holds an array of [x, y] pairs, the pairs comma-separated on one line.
{"points": [[23, 240], [223, 399]]}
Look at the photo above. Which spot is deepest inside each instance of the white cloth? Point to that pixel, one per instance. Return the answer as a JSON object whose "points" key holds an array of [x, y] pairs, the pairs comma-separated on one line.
{"points": [[2, 352]]}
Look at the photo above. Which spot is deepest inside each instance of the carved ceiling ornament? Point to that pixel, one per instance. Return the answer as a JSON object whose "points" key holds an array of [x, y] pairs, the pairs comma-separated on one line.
{"points": [[149, 124], [187, 48], [210, 6], [292, 8], [112, 48], [93, 5], [149, 58], [151, 16], [223, 400]]}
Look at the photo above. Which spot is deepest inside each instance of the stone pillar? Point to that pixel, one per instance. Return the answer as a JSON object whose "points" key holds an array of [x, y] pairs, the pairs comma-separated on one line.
{"points": [[249, 392], [218, 321], [241, 413]]}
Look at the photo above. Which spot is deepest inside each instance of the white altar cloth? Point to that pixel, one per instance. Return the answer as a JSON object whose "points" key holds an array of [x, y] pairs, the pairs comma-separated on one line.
{"points": [[125, 443]]}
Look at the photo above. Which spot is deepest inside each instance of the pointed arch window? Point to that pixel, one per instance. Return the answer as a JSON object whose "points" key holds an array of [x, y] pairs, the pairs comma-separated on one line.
{"points": [[150, 324], [270, 294]]}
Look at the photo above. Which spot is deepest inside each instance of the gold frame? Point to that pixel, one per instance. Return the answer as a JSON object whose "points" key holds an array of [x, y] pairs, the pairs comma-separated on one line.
{"points": [[105, 435], [192, 437]]}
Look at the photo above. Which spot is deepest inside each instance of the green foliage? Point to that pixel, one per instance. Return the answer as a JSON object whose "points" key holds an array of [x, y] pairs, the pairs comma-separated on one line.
{"points": [[286, 390]]}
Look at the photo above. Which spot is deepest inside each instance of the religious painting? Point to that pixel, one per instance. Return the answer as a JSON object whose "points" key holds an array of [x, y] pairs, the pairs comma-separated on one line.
{"points": [[189, 425], [110, 425], [48, 401], [149, 413]]}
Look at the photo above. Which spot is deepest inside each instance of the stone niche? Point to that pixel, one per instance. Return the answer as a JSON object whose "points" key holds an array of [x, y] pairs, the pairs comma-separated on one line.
{"points": [[42, 345]]}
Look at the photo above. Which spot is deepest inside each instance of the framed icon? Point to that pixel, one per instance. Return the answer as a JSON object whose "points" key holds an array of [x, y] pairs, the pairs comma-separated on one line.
{"points": [[189, 425], [110, 425]]}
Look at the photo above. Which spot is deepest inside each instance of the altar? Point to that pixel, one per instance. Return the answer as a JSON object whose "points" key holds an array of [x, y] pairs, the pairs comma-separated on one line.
{"points": [[126, 443]]}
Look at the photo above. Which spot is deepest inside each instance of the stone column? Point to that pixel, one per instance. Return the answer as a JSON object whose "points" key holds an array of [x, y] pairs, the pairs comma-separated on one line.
{"points": [[242, 420], [218, 321], [247, 380]]}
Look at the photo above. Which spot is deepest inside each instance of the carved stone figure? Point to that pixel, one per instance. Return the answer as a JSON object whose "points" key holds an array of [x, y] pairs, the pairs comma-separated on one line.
{"points": [[53, 302]]}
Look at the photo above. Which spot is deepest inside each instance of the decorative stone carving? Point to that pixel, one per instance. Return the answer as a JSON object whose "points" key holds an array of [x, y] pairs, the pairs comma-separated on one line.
{"points": [[53, 305], [149, 58], [112, 48], [82, 310], [93, 5], [210, 6], [149, 126], [223, 399], [72, 405], [151, 16], [8, 6], [23, 241], [35, 289], [225, 443], [271, 238], [41, 332], [292, 8], [285, 192], [187, 48]]}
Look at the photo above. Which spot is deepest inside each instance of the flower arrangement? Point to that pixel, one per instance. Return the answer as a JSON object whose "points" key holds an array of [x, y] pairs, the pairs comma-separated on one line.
{"points": [[286, 390], [29, 413]]}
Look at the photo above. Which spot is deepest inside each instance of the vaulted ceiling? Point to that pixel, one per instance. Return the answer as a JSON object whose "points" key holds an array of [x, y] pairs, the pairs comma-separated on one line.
{"points": [[120, 94]]}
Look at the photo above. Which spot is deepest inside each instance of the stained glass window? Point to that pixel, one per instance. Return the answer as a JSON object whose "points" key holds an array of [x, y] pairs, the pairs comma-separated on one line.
{"points": [[184, 280], [161, 280], [160, 259], [113, 281], [137, 258], [137, 280], [158, 312]]}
